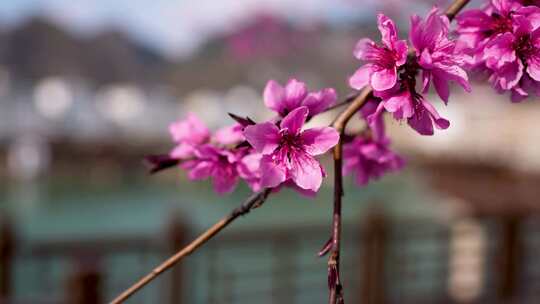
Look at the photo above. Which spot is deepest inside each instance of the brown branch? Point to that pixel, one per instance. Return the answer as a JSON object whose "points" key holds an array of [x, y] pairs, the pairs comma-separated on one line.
{"points": [[346, 101], [254, 201], [455, 8], [334, 281]]}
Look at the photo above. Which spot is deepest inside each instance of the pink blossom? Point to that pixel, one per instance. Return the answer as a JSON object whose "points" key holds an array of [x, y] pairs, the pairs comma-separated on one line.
{"points": [[372, 112], [218, 163], [229, 135], [476, 27], [380, 71], [191, 130], [525, 87], [288, 152], [435, 54], [369, 159], [249, 170], [187, 134], [504, 40], [405, 103], [294, 95], [520, 49]]}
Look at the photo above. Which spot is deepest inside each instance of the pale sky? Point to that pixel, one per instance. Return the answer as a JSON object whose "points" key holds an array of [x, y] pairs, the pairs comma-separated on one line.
{"points": [[174, 27], [177, 27]]}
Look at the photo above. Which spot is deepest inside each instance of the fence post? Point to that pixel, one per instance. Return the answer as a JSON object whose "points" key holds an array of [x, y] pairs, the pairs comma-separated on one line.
{"points": [[176, 234], [373, 249], [7, 247], [85, 283], [510, 252]]}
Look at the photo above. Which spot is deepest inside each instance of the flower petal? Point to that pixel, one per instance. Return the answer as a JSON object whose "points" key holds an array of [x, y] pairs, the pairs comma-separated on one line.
{"points": [[363, 47], [384, 79], [201, 170], [440, 122], [274, 95], [533, 67], [181, 151], [421, 123], [319, 140], [272, 173], [518, 94], [500, 51], [388, 30], [295, 120], [400, 104], [376, 122], [191, 130], [360, 79], [319, 101], [229, 135], [305, 171], [441, 86], [295, 92], [507, 76], [264, 137], [224, 179], [401, 49]]}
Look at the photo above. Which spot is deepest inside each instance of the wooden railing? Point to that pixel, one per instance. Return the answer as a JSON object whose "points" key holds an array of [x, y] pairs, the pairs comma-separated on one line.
{"points": [[386, 261]]}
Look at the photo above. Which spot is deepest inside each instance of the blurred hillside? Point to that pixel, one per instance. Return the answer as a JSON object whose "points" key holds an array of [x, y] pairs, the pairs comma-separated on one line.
{"points": [[39, 48]]}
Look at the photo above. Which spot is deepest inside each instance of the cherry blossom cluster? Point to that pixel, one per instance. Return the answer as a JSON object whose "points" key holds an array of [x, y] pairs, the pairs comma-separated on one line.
{"points": [[503, 40], [272, 154], [392, 68]]}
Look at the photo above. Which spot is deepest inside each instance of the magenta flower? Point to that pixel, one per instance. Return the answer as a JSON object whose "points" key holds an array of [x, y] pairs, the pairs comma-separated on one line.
{"points": [[249, 170], [503, 39], [476, 27], [283, 100], [434, 57], [187, 134], [368, 159], [218, 163], [372, 112], [520, 50], [526, 86], [229, 135], [288, 152], [435, 54], [383, 60], [405, 103]]}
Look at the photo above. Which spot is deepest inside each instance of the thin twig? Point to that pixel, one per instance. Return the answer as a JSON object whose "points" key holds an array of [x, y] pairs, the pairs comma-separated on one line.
{"points": [[334, 281], [254, 201], [455, 8], [346, 101]]}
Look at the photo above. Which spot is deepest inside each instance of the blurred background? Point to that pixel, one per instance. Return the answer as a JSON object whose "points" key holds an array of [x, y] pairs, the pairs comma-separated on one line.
{"points": [[87, 88]]}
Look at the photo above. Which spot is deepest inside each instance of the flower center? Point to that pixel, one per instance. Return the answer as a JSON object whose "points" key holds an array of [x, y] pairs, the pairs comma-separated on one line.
{"points": [[288, 145], [382, 56], [408, 73], [524, 47], [501, 24], [223, 160], [290, 140]]}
